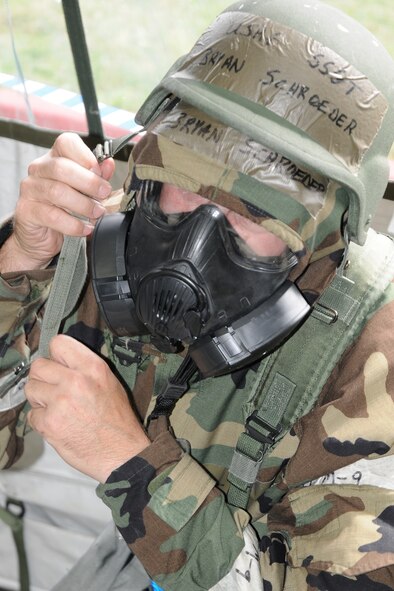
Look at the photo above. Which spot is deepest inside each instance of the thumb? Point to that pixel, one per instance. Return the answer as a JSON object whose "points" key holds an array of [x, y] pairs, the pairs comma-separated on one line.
{"points": [[107, 168], [104, 169], [69, 352]]}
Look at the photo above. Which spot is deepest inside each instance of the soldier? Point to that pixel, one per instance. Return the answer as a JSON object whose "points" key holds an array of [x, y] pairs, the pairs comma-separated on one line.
{"points": [[236, 404]]}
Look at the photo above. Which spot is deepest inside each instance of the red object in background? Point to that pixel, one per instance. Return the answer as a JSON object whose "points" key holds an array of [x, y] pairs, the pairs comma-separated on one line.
{"points": [[49, 115], [62, 118]]}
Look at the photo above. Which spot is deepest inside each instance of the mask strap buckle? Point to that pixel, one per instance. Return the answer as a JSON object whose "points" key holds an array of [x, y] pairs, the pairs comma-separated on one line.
{"points": [[109, 148], [174, 389]]}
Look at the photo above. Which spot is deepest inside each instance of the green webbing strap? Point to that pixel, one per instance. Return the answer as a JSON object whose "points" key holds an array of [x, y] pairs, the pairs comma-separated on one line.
{"points": [[263, 427], [15, 522], [290, 380], [67, 285], [69, 279], [76, 34], [68, 282], [71, 268]]}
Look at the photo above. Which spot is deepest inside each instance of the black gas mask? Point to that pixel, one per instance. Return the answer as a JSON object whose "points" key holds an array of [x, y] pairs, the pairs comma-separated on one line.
{"points": [[187, 279]]}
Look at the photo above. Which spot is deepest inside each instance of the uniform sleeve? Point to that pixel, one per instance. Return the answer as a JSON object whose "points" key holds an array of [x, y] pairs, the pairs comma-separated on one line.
{"points": [[22, 297], [325, 524], [174, 518]]}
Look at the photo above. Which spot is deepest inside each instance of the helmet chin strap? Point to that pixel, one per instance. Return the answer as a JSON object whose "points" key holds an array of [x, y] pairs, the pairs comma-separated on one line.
{"points": [[252, 336], [344, 263]]}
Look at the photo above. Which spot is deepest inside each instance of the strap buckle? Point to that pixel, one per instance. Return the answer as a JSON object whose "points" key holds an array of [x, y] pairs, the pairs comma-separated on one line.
{"points": [[109, 148], [15, 507], [104, 150], [273, 432]]}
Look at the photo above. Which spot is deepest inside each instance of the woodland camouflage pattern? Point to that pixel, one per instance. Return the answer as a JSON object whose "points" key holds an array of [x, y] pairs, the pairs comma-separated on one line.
{"points": [[316, 531], [169, 502], [174, 513]]}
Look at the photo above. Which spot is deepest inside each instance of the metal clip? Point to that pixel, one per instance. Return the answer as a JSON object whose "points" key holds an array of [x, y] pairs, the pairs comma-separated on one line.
{"points": [[14, 379], [103, 151]]}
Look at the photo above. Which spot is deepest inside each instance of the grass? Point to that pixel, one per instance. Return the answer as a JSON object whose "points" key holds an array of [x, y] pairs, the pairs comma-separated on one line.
{"points": [[132, 45]]}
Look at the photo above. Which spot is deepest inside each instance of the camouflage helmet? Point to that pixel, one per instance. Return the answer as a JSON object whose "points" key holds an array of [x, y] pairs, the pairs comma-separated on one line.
{"points": [[309, 84]]}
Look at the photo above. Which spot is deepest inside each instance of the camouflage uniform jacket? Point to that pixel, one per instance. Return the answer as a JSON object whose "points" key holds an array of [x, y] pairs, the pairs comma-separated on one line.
{"points": [[322, 508]]}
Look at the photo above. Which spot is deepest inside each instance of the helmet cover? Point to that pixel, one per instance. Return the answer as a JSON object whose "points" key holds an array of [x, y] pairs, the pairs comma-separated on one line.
{"points": [[288, 107]]}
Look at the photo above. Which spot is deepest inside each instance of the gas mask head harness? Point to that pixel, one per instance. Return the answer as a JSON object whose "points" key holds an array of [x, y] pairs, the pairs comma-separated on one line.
{"points": [[187, 278]]}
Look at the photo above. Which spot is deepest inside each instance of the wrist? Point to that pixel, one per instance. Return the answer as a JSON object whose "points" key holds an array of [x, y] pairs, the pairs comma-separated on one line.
{"points": [[120, 456], [13, 258]]}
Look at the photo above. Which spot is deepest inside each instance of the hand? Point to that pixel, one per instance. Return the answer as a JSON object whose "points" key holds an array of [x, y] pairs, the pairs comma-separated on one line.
{"points": [[67, 180], [82, 410]]}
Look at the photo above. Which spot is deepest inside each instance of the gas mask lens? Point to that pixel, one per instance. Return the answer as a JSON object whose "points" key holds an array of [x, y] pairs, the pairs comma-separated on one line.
{"points": [[193, 273], [169, 205]]}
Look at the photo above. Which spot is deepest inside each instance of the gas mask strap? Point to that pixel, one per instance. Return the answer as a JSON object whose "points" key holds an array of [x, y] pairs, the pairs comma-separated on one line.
{"points": [[110, 147], [174, 389]]}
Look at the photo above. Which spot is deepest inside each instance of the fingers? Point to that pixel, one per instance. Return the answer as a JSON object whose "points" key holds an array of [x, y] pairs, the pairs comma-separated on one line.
{"points": [[82, 410], [35, 418], [107, 168], [70, 145], [68, 178], [44, 376], [48, 409], [67, 173], [37, 192], [61, 196], [65, 353], [73, 376], [73, 354], [47, 371]]}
